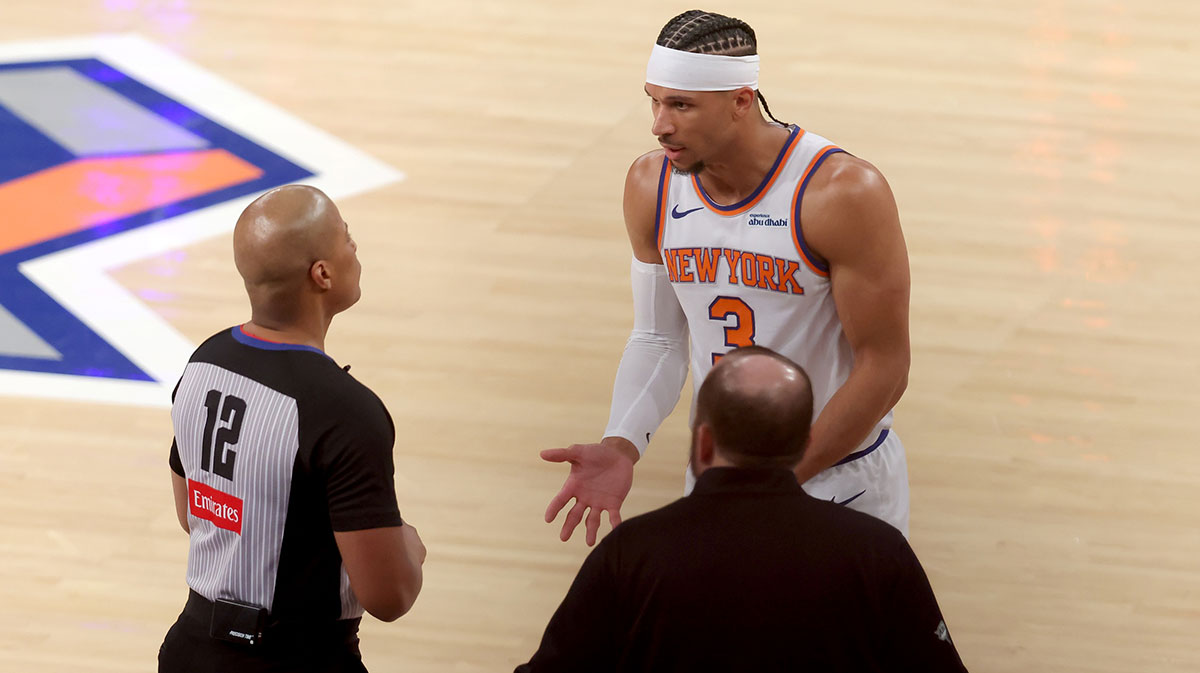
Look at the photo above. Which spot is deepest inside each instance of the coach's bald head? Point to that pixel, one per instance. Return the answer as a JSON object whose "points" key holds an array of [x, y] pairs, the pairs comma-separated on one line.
{"points": [[754, 409], [295, 255]]}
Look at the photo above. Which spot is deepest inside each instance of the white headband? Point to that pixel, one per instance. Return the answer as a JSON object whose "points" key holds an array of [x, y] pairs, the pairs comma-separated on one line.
{"points": [[688, 71]]}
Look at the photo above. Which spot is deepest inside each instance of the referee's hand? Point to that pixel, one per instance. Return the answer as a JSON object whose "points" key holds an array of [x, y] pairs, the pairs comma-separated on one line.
{"points": [[600, 478]]}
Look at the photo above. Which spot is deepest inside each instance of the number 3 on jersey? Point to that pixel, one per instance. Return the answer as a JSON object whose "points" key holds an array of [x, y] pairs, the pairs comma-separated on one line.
{"points": [[739, 332]]}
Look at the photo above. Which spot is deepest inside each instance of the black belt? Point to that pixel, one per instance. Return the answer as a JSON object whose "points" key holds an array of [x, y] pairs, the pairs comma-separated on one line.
{"points": [[200, 609]]}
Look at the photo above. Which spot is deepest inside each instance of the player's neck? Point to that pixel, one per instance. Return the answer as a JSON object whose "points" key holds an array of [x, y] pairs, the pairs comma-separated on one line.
{"points": [[733, 177]]}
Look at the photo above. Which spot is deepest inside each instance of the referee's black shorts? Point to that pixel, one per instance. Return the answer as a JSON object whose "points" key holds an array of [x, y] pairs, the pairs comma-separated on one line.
{"points": [[188, 648]]}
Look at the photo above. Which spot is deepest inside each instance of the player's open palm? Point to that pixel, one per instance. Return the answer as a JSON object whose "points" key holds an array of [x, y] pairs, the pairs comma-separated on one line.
{"points": [[599, 480]]}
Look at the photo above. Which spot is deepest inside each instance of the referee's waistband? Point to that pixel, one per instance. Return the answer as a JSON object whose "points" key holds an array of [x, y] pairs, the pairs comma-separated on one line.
{"points": [[200, 609]]}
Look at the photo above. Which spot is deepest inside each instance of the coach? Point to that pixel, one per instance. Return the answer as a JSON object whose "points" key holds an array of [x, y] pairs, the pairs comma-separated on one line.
{"points": [[749, 573]]}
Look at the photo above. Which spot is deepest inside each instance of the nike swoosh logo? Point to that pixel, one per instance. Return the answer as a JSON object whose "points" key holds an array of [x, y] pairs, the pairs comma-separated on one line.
{"points": [[676, 214], [848, 500]]}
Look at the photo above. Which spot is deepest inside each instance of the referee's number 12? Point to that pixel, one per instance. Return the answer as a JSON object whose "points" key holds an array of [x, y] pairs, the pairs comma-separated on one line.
{"points": [[739, 322], [216, 451]]}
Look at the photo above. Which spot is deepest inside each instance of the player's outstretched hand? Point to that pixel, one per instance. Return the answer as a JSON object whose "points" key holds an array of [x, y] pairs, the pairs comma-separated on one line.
{"points": [[600, 478]]}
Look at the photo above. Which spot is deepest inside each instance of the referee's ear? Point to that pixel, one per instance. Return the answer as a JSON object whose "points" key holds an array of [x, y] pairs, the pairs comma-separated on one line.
{"points": [[319, 273]]}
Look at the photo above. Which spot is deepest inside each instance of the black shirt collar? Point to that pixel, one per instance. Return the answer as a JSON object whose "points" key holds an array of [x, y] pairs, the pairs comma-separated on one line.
{"points": [[746, 480]]}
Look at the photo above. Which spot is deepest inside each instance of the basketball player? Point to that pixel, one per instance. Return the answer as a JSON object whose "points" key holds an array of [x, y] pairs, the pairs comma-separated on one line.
{"points": [[283, 465], [750, 231]]}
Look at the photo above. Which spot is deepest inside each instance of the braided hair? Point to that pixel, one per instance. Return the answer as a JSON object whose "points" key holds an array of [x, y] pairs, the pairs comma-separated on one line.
{"points": [[703, 32]]}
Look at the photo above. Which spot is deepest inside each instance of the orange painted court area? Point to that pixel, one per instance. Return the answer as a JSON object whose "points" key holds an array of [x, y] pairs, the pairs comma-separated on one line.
{"points": [[84, 192]]}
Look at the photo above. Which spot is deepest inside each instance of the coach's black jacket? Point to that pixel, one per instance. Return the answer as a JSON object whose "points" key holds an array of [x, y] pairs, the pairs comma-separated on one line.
{"points": [[749, 573]]}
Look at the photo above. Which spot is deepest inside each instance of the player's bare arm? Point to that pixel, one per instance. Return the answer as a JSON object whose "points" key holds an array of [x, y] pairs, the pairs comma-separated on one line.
{"points": [[639, 204], [601, 474], [850, 219], [384, 566]]}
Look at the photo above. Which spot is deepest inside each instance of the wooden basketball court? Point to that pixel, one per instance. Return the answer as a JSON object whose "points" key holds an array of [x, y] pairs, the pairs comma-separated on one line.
{"points": [[1041, 152]]}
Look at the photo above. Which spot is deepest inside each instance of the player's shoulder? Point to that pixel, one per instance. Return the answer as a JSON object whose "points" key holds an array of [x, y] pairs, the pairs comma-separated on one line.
{"points": [[848, 199], [641, 204], [649, 163], [845, 177], [645, 172]]}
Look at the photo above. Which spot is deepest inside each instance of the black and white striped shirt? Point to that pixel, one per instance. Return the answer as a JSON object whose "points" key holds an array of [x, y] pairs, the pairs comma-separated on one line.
{"points": [[280, 447]]}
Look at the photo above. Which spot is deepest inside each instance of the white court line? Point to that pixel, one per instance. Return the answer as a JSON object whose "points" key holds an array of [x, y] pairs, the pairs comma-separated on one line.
{"points": [[78, 277]]}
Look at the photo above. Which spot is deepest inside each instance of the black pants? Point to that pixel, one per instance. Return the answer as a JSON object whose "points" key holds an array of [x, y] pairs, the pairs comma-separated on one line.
{"points": [[189, 649]]}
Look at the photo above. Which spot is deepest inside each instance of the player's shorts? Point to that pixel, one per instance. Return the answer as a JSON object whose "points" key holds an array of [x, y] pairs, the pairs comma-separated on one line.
{"points": [[875, 483]]}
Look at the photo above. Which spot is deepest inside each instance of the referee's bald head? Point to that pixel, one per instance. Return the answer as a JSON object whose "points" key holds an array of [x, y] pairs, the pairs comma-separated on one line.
{"points": [[278, 235], [758, 406], [292, 248]]}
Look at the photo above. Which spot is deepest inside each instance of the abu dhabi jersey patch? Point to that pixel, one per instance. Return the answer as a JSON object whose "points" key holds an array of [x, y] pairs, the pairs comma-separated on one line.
{"points": [[113, 149]]}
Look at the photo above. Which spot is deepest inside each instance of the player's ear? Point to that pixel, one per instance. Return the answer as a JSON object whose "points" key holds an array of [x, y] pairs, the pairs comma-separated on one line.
{"points": [[744, 99], [320, 274]]}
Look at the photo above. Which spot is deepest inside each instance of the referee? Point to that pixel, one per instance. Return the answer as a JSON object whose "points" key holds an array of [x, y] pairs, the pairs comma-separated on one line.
{"points": [[282, 464]]}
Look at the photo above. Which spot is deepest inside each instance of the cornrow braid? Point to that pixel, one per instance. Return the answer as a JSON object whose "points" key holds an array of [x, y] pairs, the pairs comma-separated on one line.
{"points": [[708, 33], [703, 32]]}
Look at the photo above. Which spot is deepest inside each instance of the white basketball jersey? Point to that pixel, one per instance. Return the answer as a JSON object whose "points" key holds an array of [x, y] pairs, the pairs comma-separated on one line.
{"points": [[744, 275]]}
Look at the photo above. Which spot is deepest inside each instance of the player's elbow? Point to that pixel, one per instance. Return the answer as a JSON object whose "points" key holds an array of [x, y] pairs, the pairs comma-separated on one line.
{"points": [[899, 374], [655, 342], [888, 370], [903, 363], [901, 386]]}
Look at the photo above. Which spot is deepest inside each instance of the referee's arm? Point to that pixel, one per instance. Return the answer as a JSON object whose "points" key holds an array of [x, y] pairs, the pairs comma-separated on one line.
{"points": [[381, 553], [384, 565], [179, 484]]}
